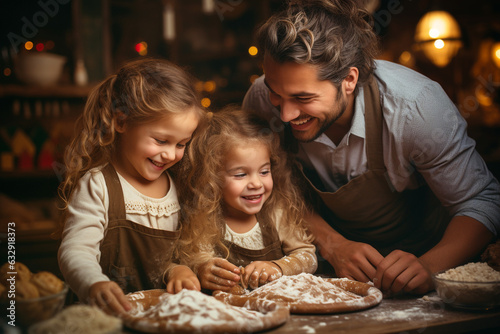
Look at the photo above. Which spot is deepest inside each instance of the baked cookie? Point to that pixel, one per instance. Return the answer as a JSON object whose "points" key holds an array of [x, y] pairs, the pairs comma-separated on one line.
{"points": [[47, 283], [22, 273], [492, 255], [26, 290]]}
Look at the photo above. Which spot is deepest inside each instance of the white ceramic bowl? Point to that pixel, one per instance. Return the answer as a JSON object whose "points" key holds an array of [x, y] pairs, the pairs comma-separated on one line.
{"points": [[468, 295], [39, 68]]}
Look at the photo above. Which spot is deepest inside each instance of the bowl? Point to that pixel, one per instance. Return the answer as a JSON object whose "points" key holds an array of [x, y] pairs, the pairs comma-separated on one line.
{"points": [[27, 312], [468, 295], [39, 68]]}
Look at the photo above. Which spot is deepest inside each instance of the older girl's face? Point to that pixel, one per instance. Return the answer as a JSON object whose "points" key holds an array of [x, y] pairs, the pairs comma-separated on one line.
{"points": [[248, 180], [145, 151]]}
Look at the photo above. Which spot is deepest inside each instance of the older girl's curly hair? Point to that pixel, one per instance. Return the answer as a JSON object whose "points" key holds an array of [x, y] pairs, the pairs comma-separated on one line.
{"points": [[200, 190], [142, 91]]}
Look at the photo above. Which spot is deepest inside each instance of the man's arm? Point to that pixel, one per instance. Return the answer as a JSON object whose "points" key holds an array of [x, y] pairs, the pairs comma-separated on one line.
{"points": [[463, 239]]}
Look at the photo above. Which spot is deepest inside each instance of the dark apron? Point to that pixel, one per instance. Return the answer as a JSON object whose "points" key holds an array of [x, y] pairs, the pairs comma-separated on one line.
{"points": [[132, 255], [368, 210], [240, 256]]}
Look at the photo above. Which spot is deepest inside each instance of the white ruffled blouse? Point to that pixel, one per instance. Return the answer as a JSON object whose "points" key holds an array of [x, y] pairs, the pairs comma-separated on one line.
{"points": [[249, 240]]}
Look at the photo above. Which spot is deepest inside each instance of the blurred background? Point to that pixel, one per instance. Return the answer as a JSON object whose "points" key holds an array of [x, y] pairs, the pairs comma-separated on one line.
{"points": [[54, 51]]}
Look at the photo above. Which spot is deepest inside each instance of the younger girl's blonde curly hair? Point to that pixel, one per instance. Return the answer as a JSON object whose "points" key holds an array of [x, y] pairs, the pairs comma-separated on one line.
{"points": [[201, 187]]}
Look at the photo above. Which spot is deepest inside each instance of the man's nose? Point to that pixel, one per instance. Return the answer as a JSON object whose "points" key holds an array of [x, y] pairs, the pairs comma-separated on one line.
{"points": [[288, 111]]}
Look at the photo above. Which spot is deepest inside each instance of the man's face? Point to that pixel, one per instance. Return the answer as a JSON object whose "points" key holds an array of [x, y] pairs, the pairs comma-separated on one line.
{"points": [[308, 104]]}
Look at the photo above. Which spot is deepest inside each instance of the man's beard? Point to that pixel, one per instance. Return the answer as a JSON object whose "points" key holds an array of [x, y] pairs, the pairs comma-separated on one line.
{"points": [[332, 118]]}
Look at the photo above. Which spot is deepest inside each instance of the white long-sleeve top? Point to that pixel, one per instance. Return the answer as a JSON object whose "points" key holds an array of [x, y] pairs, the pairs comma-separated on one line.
{"points": [[87, 220]]}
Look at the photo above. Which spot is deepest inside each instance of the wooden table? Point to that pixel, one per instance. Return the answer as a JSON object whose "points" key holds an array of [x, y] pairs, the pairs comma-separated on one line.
{"points": [[398, 315]]}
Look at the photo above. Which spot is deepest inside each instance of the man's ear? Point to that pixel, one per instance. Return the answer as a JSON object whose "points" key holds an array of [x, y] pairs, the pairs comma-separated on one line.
{"points": [[351, 80], [119, 119]]}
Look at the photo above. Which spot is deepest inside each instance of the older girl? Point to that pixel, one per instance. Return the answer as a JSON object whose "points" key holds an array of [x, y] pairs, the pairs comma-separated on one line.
{"points": [[121, 217]]}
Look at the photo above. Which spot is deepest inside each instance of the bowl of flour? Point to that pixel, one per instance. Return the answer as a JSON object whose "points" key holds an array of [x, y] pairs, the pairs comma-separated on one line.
{"points": [[473, 286]]}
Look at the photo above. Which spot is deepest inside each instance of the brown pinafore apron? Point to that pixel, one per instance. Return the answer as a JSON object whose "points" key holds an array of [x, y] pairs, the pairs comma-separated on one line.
{"points": [[240, 256], [132, 255], [367, 209]]}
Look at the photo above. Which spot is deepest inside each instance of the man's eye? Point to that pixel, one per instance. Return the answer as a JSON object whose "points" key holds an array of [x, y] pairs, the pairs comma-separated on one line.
{"points": [[161, 141], [304, 99]]}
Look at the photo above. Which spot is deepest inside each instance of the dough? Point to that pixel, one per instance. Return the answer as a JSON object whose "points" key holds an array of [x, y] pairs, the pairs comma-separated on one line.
{"points": [[188, 311], [306, 293]]}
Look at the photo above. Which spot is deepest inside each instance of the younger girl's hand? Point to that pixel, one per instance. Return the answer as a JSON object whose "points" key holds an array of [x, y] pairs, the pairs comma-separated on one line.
{"points": [[218, 274], [261, 272], [109, 297], [181, 277]]}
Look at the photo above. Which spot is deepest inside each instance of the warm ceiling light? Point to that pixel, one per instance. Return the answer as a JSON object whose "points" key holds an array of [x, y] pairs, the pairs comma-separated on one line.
{"points": [[495, 54], [438, 36]]}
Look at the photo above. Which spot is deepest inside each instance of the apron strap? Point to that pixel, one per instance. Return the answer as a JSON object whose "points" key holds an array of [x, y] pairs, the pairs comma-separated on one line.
{"points": [[116, 210], [374, 121]]}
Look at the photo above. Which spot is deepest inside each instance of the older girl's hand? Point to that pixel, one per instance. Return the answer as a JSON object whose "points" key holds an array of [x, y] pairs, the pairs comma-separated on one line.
{"points": [[109, 297], [261, 272], [218, 274], [181, 277]]}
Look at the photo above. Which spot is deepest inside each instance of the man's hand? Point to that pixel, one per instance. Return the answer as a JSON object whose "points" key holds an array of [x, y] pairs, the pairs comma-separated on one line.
{"points": [[354, 260], [402, 271], [218, 274], [181, 277], [109, 297], [261, 272]]}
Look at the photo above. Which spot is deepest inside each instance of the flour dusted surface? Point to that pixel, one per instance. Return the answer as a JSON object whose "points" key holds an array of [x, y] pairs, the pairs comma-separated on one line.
{"points": [[307, 288], [192, 307], [306, 293]]}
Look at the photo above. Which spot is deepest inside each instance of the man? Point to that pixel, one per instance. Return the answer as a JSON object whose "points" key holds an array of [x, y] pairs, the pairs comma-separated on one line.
{"points": [[400, 191]]}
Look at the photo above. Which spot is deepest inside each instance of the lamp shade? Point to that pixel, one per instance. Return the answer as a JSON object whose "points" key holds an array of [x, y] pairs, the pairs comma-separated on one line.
{"points": [[495, 54], [439, 37]]}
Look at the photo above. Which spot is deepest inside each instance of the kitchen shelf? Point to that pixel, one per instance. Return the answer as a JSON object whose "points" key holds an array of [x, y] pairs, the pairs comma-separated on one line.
{"points": [[59, 91]]}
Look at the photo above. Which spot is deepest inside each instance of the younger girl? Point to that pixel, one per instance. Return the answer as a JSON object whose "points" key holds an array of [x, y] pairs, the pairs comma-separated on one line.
{"points": [[241, 207], [121, 217]]}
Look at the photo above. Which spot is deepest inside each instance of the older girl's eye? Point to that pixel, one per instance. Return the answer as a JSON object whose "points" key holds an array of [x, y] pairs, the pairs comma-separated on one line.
{"points": [[181, 145], [265, 172], [240, 175]]}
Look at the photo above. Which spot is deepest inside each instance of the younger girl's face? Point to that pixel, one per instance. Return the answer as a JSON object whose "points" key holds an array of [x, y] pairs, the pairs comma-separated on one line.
{"points": [[248, 179], [147, 150]]}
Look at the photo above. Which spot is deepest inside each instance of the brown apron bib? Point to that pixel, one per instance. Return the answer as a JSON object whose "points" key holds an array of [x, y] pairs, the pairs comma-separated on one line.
{"points": [[132, 255], [240, 256], [368, 210]]}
